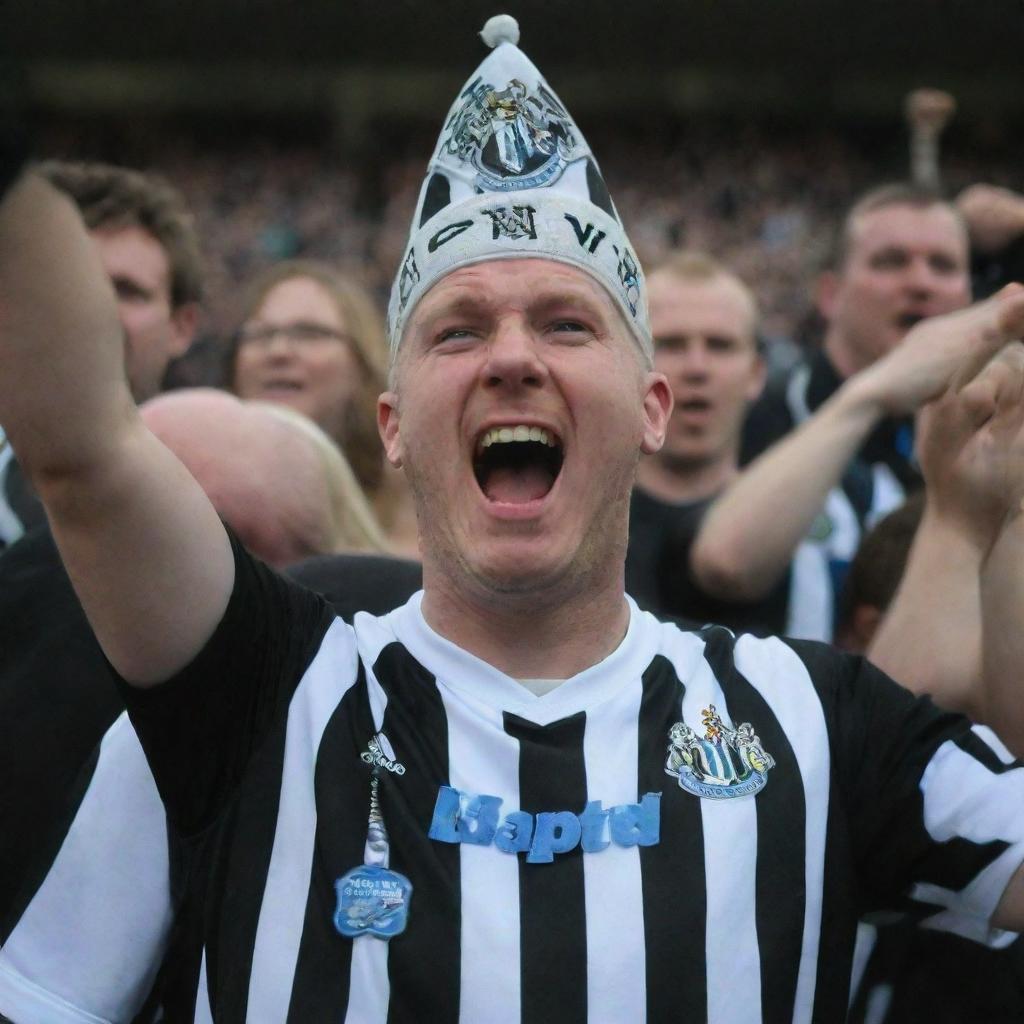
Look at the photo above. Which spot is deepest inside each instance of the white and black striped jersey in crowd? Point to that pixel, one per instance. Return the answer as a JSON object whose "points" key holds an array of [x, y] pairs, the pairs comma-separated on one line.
{"points": [[874, 483], [566, 864], [90, 880], [88, 940], [11, 527]]}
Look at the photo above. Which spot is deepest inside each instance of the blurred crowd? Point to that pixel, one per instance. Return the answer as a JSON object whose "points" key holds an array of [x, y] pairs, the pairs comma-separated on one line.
{"points": [[767, 206], [299, 251]]}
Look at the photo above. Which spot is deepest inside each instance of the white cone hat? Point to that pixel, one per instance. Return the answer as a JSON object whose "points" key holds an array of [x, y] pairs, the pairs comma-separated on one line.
{"points": [[513, 177]]}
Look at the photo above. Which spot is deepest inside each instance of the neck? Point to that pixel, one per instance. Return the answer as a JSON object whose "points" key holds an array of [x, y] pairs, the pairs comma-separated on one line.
{"points": [[678, 483], [529, 635], [841, 354], [397, 514]]}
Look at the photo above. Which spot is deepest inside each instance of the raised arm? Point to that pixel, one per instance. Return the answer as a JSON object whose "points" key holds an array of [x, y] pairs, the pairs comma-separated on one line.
{"points": [[931, 637], [1002, 586], [750, 534], [144, 548]]}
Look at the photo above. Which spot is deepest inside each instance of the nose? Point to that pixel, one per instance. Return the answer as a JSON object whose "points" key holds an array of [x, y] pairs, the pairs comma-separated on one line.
{"points": [[920, 278], [513, 358], [694, 361], [279, 346]]}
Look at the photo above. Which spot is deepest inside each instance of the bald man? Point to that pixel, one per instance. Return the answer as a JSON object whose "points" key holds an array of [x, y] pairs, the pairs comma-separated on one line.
{"points": [[266, 478], [704, 327]]}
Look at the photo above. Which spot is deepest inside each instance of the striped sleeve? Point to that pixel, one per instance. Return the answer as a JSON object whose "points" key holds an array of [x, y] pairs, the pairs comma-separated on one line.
{"points": [[934, 804], [200, 728]]}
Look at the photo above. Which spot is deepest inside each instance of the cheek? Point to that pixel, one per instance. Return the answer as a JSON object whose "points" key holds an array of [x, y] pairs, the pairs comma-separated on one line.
{"points": [[956, 294], [246, 364], [335, 374], [141, 317]]}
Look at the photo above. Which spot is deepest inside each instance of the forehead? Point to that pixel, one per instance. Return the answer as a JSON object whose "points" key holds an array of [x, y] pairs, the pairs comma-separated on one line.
{"points": [[511, 284], [716, 304], [299, 296], [925, 228], [132, 252]]}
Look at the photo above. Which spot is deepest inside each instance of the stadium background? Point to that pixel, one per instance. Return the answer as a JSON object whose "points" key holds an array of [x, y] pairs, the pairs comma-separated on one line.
{"points": [[739, 126]]}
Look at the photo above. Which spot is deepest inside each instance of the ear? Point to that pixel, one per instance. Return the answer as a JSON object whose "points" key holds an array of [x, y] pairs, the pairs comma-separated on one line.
{"points": [[827, 293], [758, 378], [657, 410], [184, 323], [388, 427], [866, 620]]}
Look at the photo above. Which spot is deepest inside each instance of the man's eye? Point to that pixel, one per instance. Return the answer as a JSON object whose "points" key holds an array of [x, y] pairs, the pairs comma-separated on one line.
{"points": [[454, 334], [128, 292], [944, 265], [889, 260], [568, 326], [721, 344]]}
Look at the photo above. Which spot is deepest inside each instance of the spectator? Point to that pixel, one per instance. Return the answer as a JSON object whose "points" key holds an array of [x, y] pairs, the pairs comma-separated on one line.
{"points": [[144, 237], [522, 672], [901, 258], [272, 473], [703, 322], [950, 630], [995, 222], [311, 338], [875, 575], [79, 804]]}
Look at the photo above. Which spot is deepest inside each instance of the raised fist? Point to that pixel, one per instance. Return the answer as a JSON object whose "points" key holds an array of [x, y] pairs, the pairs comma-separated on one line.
{"points": [[929, 109]]}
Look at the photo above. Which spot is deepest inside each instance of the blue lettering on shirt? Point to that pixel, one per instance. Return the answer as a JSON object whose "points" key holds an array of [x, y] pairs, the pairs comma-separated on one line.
{"points": [[470, 818]]}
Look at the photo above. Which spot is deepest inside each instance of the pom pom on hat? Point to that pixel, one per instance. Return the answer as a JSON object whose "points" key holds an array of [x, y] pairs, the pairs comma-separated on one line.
{"points": [[502, 28]]}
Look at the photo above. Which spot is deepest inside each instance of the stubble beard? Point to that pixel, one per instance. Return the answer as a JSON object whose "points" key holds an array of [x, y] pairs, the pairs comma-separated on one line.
{"points": [[595, 562]]}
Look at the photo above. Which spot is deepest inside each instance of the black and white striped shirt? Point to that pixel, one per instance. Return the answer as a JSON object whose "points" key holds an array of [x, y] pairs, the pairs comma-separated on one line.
{"points": [[874, 483], [673, 906], [92, 888]]}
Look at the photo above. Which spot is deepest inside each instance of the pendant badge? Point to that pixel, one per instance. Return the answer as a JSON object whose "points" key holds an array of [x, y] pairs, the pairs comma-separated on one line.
{"points": [[372, 899]]}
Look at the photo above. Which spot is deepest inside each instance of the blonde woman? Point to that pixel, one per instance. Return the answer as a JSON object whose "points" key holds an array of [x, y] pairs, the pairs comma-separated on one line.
{"points": [[312, 339]]}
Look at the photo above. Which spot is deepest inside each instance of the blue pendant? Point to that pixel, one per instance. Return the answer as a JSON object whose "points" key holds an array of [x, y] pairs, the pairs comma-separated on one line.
{"points": [[372, 900]]}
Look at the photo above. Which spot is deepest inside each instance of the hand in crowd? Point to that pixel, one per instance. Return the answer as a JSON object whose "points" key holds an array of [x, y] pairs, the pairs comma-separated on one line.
{"points": [[929, 109], [943, 633], [970, 447], [943, 352], [994, 216]]}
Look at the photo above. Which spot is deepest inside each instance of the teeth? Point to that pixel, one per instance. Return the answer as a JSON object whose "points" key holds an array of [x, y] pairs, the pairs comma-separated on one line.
{"points": [[504, 435]]}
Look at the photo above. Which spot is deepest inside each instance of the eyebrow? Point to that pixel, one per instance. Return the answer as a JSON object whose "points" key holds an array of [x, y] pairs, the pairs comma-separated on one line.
{"points": [[122, 280], [472, 305]]}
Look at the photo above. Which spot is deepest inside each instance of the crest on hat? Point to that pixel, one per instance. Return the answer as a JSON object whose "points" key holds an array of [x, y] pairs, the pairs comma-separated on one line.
{"points": [[513, 137]]}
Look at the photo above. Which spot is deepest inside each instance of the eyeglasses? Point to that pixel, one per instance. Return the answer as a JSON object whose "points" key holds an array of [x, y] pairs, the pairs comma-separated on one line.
{"points": [[302, 332]]}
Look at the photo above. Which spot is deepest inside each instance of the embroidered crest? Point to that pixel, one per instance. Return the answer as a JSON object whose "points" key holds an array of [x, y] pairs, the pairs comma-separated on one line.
{"points": [[723, 763], [372, 901], [513, 138], [380, 754]]}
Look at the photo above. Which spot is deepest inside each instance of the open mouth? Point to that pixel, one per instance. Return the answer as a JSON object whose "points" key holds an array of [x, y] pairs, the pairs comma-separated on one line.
{"points": [[517, 464], [694, 405], [277, 386], [908, 320]]}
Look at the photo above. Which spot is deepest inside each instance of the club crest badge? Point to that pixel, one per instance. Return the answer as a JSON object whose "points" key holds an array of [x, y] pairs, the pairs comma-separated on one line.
{"points": [[512, 137], [372, 901], [722, 763]]}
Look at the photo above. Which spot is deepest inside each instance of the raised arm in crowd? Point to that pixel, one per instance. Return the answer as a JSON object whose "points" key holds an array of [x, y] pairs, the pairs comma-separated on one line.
{"points": [[124, 510]]}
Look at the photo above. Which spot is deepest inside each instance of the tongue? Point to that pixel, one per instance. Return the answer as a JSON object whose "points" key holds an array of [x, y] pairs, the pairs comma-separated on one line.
{"points": [[517, 485]]}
